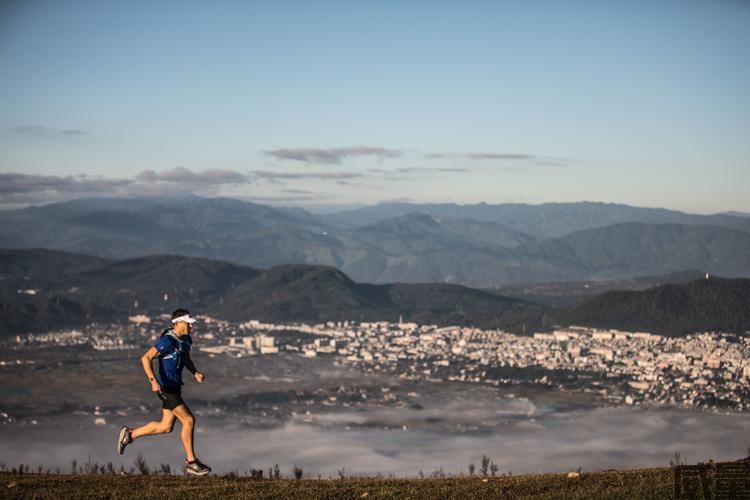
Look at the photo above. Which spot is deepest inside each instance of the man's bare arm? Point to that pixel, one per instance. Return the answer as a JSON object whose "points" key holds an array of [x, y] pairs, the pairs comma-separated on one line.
{"points": [[146, 360]]}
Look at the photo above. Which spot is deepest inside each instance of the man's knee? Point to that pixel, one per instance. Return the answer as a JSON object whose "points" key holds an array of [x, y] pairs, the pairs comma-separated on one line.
{"points": [[187, 420]]}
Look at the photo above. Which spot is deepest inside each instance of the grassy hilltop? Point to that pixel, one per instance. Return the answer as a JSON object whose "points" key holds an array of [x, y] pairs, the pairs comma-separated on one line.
{"points": [[641, 483]]}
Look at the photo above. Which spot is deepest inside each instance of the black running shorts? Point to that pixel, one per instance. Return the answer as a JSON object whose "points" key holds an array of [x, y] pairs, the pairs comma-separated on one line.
{"points": [[170, 398]]}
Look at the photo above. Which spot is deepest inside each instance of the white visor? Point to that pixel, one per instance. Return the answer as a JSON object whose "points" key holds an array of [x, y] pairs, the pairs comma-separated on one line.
{"points": [[186, 318]]}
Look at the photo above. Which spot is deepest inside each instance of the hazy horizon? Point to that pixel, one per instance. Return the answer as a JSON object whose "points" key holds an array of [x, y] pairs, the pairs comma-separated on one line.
{"points": [[321, 209]]}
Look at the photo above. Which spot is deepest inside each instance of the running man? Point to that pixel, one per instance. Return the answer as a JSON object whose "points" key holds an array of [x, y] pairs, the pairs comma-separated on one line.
{"points": [[173, 351]]}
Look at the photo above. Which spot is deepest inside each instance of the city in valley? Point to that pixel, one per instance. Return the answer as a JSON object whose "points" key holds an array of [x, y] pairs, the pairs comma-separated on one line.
{"points": [[704, 370], [394, 397]]}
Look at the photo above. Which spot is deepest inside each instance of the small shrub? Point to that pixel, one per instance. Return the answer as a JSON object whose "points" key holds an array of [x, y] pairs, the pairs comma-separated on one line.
{"points": [[676, 460], [74, 466], [110, 469], [472, 468], [276, 472], [297, 471], [342, 473], [494, 468], [90, 467], [2, 466], [231, 475], [165, 469], [421, 474], [485, 465], [141, 465], [256, 474], [438, 473]]}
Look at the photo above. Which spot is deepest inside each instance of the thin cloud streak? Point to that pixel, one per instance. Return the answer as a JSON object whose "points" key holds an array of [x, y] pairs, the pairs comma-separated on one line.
{"points": [[331, 156], [430, 169], [479, 156], [42, 131], [19, 189], [20, 184], [285, 199], [498, 156], [354, 184], [550, 163], [474, 156], [296, 191], [183, 175], [266, 174]]}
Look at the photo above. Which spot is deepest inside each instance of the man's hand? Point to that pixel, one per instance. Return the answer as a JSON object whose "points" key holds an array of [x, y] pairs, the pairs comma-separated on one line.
{"points": [[198, 376], [155, 387]]}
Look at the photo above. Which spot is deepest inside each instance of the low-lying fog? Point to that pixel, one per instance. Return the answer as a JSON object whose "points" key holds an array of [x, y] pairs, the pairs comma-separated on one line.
{"points": [[393, 441]]}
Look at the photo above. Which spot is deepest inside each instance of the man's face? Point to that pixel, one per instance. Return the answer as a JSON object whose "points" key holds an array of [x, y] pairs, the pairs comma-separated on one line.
{"points": [[182, 327]]}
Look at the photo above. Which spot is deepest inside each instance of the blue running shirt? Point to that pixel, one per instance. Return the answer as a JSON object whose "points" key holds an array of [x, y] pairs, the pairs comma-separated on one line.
{"points": [[172, 350]]}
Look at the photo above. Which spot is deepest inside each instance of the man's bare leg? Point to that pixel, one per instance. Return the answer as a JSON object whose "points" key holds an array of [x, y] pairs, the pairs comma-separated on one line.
{"points": [[187, 420], [152, 428]]}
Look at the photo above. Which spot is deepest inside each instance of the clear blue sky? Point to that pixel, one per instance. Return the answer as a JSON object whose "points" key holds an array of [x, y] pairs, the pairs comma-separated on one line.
{"points": [[336, 103]]}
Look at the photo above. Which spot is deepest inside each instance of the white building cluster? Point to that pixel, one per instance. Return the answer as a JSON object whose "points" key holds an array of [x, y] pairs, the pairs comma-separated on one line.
{"points": [[707, 369]]}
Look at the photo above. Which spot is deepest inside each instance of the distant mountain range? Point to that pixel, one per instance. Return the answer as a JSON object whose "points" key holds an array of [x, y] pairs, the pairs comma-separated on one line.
{"points": [[43, 290], [474, 245], [548, 220]]}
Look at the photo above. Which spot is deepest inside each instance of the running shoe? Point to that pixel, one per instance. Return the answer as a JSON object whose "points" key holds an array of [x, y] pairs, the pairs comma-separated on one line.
{"points": [[196, 468], [124, 439]]}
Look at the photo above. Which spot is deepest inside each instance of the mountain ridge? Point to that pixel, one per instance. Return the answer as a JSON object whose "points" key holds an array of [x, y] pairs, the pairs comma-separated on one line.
{"points": [[712, 304], [114, 290], [414, 247], [110, 291]]}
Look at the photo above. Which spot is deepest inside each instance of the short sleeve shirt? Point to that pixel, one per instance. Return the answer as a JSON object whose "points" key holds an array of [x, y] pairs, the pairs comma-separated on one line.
{"points": [[172, 351]]}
